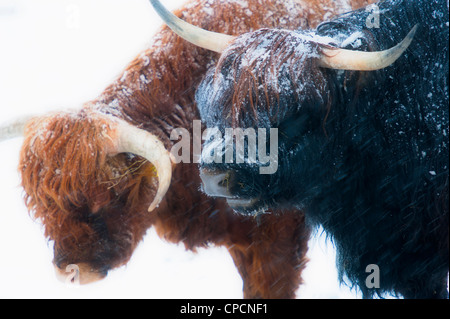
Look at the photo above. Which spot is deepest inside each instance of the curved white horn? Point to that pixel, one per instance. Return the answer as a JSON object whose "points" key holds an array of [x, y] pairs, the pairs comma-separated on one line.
{"points": [[205, 39], [14, 128], [130, 139], [342, 59]]}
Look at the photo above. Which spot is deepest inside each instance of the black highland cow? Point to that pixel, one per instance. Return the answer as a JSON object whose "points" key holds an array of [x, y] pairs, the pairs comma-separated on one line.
{"points": [[363, 137]]}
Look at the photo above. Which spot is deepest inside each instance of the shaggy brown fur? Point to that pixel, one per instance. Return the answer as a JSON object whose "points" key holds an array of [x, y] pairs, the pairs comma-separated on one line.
{"points": [[94, 206]]}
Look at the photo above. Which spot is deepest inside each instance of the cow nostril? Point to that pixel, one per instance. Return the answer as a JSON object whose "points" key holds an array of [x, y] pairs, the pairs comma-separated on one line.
{"points": [[225, 182], [216, 184]]}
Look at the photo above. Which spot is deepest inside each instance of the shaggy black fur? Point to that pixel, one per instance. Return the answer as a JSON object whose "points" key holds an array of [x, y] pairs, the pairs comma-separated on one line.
{"points": [[365, 154]]}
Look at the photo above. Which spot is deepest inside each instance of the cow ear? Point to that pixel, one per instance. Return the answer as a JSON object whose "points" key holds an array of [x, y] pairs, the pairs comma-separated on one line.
{"points": [[213, 41], [341, 59]]}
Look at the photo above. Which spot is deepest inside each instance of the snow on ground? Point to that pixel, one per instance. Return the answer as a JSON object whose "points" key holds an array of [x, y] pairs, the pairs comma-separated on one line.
{"points": [[57, 54]]}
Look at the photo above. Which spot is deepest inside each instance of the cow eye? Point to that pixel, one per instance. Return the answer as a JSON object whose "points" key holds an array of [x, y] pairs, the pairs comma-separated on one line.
{"points": [[296, 127]]}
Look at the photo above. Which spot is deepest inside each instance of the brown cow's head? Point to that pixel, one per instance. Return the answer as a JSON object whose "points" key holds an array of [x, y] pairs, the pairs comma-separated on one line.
{"points": [[83, 180]]}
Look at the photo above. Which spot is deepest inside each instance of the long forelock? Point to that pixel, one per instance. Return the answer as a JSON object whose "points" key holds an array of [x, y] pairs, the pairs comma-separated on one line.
{"points": [[261, 67]]}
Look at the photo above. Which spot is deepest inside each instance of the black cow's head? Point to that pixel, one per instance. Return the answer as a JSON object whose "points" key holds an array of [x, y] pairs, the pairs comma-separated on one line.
{"points": [[269, 79], [265, 79]]}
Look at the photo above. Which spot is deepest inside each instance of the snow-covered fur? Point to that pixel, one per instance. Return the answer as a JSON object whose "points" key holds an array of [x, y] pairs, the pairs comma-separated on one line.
{"points": [[94, 207], [364, 154]]}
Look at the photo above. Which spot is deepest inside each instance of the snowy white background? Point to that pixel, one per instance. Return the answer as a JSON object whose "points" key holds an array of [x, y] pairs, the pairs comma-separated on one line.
{"points": [[57, 54]]}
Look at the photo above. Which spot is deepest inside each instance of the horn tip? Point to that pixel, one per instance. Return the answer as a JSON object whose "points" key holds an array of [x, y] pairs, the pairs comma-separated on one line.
{"points": [[152, 207], [413, 31]]}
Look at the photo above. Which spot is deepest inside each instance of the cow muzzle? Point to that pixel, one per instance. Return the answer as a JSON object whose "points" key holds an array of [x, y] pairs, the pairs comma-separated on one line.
{"points": [[220, 184], [78, 274]]}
